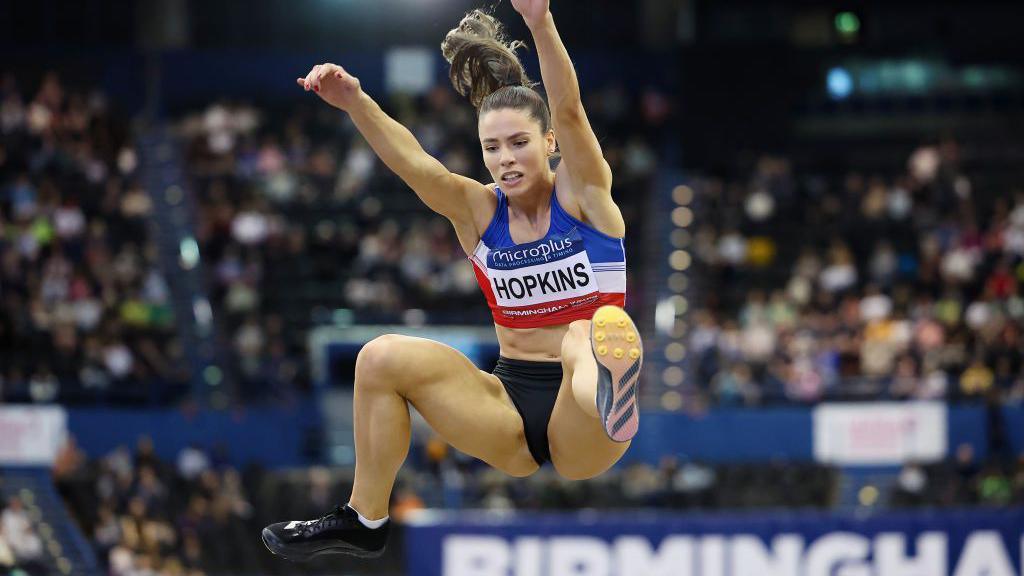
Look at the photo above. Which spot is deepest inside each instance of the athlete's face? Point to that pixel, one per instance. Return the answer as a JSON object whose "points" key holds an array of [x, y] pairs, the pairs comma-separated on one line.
{"points": [[515, 151]]}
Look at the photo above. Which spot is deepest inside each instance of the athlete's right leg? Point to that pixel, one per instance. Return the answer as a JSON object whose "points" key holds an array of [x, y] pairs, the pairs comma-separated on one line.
{"points": [[469, 408]]}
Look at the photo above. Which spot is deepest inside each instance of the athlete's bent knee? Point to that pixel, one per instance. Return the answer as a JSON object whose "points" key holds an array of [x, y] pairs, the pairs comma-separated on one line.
{"points": [[578, 330], [377, 358]]}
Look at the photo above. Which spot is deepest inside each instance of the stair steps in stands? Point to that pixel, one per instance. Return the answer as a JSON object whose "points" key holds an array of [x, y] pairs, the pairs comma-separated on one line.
{"points": [[67, 552]]}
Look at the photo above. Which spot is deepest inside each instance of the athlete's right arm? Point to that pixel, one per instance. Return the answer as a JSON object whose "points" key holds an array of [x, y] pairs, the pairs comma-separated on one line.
{"points": [[443, 192]]}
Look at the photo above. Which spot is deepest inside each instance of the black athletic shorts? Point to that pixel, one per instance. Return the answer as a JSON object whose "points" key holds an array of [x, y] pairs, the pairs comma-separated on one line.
{"points": [[533, 387]]}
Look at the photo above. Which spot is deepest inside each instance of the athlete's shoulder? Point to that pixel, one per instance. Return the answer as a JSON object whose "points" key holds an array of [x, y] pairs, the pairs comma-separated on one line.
{"points": [[594, 208]]}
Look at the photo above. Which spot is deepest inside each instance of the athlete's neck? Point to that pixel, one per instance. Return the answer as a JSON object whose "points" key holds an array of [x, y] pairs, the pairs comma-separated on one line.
{"points": [[532, 205]]}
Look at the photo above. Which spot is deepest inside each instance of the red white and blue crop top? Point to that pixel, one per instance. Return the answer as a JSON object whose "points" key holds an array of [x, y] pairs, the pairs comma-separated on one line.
{"points": [[566, 275]]}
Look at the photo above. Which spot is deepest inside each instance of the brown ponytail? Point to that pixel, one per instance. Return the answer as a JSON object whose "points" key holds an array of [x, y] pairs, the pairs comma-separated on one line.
{"points": [[486, 69]]}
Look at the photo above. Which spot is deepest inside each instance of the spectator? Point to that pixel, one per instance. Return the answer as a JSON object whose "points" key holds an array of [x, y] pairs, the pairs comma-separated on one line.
{"points": [[192, 462], [17, 531]]}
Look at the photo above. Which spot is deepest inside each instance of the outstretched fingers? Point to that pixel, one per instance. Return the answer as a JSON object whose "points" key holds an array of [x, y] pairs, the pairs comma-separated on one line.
{"points": [[311, 81], [327, 70], [318, 74], [314, 78]]}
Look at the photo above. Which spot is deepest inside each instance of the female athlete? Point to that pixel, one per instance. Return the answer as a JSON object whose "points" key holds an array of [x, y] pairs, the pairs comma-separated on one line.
{"points": [[548, 253]]}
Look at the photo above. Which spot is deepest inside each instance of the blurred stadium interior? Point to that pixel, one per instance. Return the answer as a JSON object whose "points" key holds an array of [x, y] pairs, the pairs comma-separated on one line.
{"points": [[825, 209]]}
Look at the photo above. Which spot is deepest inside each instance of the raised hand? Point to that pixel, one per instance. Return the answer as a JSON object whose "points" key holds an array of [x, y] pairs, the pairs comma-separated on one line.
{"points": [[533, 11], [334, 86]]}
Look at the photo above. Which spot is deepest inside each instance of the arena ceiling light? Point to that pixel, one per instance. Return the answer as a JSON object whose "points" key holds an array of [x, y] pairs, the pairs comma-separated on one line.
{"points": [[839, 83], [847, 26]]}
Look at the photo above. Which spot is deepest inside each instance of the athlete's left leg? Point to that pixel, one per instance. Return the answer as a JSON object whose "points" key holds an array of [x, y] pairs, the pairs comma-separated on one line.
{"points": [[579, 431]]}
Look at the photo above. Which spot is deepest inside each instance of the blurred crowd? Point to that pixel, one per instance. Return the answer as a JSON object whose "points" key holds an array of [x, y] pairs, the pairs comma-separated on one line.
{"points": [[84, 308], [21, 548], [199, 515], [903, 285], [146, 516]]}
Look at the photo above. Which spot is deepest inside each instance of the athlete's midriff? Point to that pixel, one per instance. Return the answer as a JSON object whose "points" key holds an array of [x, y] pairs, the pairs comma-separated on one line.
{"points": [[542, 344]]}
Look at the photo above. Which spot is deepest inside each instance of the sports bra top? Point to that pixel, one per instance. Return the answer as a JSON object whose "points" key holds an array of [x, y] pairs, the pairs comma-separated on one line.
{"points": [[566, 275]]}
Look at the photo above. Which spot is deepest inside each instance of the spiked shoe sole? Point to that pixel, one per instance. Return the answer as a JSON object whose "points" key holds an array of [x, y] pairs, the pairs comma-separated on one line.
{"points": [[619, 352]]}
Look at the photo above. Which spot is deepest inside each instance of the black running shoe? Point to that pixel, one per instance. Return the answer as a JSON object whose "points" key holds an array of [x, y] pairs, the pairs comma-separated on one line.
{"points": [[339, 532]]}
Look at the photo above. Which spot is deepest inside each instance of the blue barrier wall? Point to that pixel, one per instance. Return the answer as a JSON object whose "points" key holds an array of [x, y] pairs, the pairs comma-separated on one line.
{"points": [[737, 435], [1013, 427], [968, 425], [272, 436], [928, 543], [279, 436], [725, 435]]}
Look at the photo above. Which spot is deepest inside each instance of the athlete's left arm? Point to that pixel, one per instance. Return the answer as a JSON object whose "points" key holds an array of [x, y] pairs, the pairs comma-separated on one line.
{"points": [[581, 152]]}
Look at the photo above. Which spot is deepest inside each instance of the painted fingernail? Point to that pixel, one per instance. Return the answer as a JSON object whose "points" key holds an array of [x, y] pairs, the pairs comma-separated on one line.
{"points": [[316, 88]]}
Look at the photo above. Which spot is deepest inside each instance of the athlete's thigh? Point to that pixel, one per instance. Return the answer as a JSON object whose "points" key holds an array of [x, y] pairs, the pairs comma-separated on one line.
{"points": [[468, 407], [580, 447]]}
